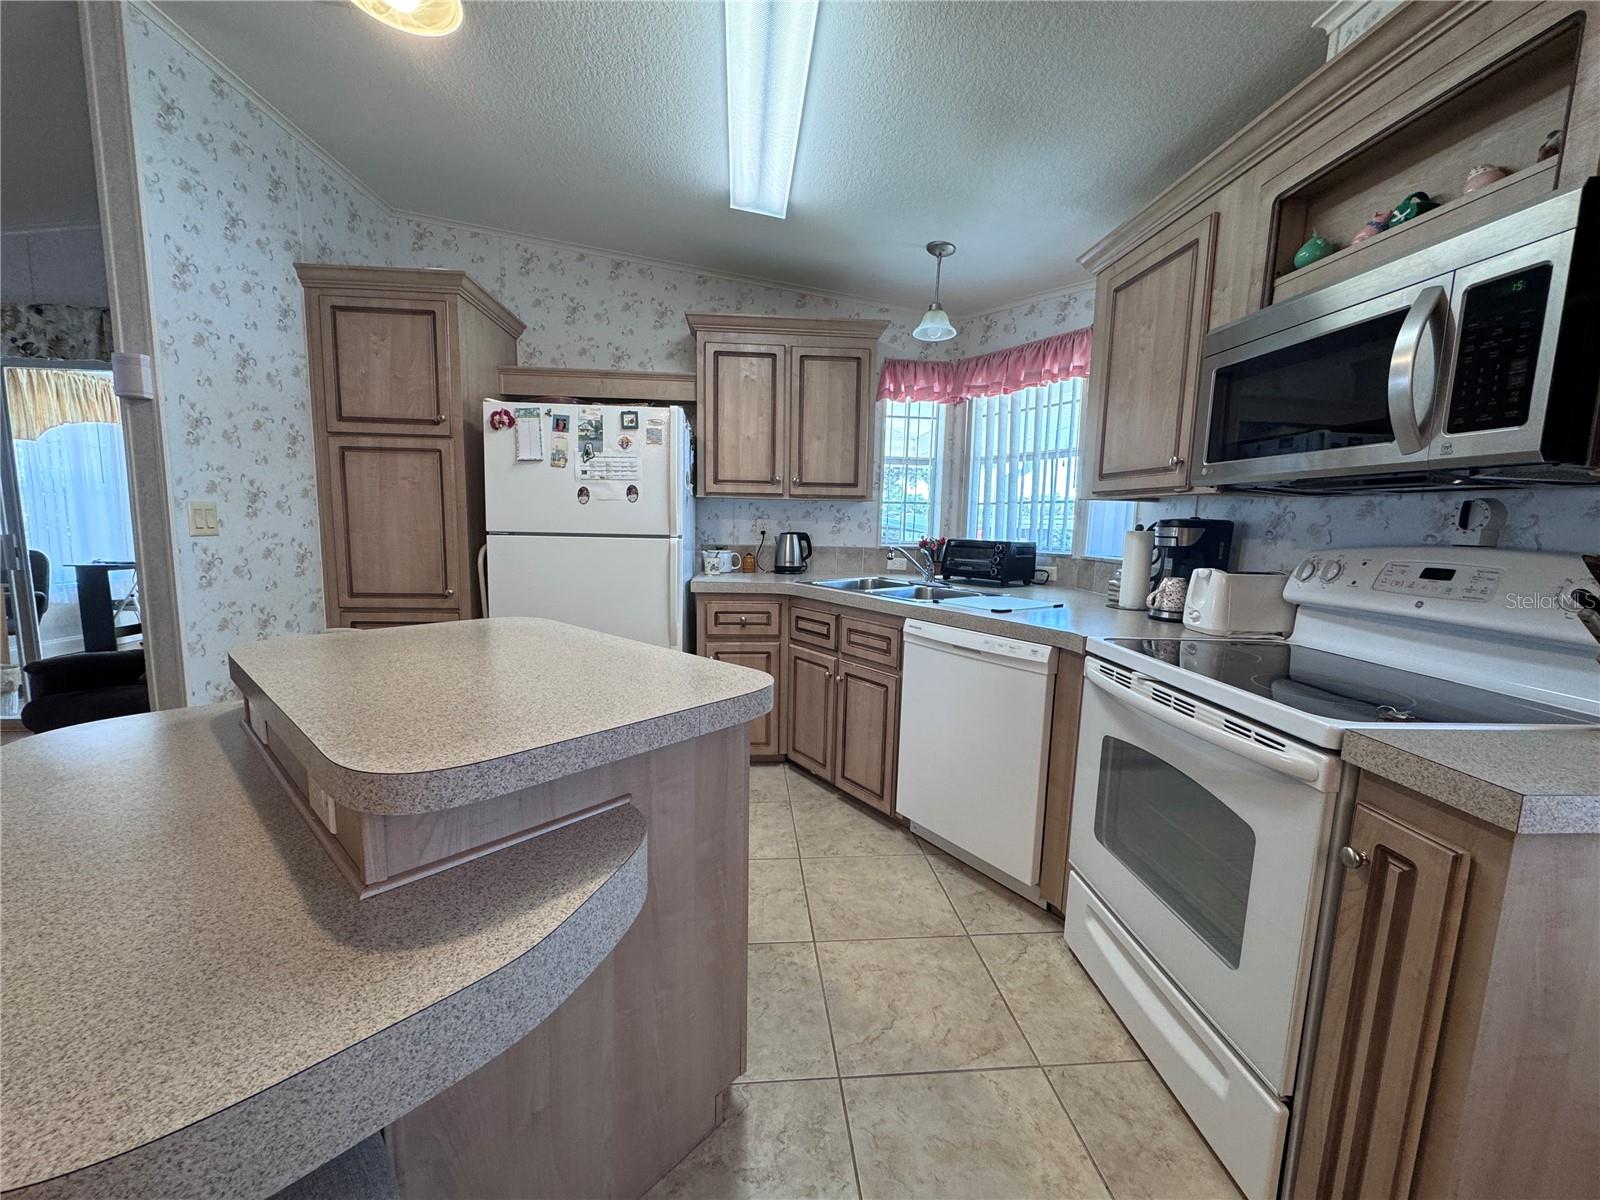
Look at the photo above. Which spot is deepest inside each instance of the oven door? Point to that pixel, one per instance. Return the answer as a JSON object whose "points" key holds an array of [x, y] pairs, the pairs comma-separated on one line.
{"points": [[1347, 391], [1206, 836]]}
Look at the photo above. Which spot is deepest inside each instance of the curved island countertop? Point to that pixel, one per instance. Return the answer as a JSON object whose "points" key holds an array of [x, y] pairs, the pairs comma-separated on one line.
{"points": [[194, 1000], [473, 710]]}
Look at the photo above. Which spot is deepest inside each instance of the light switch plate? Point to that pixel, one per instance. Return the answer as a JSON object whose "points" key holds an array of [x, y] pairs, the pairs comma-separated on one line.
{"points": [[203, 518]]}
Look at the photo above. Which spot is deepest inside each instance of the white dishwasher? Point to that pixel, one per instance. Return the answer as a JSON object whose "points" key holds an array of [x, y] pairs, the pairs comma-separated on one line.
{"points": [[974, 740]]}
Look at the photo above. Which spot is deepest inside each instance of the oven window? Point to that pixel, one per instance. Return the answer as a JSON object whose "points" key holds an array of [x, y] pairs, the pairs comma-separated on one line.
{"points": [[1187, 846], [1321, 394]]}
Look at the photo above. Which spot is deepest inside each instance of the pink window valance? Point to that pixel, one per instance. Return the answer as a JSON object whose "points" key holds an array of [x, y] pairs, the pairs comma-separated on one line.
{"points": [[1063, 356]]}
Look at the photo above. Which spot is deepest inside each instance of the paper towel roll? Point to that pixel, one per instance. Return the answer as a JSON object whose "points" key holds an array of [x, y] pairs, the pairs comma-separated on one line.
{"points": [[1138, 549]]}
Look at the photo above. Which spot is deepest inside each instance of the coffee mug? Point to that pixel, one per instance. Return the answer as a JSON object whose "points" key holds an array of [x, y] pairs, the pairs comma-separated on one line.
{"points": [[1169, 595], [719, 562]]}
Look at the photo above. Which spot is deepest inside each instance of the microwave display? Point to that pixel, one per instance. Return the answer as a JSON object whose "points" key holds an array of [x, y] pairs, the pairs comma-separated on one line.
{"points": [[1499, 348], [1324, 393]]}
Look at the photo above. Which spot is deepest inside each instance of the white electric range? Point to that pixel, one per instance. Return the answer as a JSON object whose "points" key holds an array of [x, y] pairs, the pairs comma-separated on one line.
{"points": [[1210, 797]]}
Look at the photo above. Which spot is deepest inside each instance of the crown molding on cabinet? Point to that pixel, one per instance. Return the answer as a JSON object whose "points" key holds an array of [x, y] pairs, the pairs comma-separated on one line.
{"points": [[658, 387], [802, 327], [408, 281]]}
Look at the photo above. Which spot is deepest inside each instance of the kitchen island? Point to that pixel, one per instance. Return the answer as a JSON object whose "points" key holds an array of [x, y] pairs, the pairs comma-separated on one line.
{"points": [[196, 1001]]}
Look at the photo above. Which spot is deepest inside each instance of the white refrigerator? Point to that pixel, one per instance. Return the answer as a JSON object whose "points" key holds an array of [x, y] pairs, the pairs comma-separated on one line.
{"points": [[589, 511]]}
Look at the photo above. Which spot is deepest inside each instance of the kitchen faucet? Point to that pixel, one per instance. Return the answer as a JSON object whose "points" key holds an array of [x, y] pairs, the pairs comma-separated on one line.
{"points": [[925, 566]]}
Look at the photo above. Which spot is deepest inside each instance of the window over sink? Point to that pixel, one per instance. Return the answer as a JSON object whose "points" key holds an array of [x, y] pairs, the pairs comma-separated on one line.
{"points": [[913, 447]]}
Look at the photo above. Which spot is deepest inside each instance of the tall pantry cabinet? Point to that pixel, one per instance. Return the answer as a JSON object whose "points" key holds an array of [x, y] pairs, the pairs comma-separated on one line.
{"points": [[400, 362]]}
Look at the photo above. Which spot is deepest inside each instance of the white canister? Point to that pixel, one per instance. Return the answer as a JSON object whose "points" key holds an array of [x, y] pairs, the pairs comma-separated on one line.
{"points": [[1138, 559]]}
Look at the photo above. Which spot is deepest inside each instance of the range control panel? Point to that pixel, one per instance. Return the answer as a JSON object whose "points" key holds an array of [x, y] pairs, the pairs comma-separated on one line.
{"points": [[1510, 591]]}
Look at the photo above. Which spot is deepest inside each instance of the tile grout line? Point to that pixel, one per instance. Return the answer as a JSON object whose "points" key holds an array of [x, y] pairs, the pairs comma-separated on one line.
{"points": [[1082, 1141]]}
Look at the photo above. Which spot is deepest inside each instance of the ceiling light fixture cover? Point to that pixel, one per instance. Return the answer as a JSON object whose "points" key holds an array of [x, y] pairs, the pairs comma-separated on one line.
{"points": [[935, 325], [769, 57], [425, 18]]}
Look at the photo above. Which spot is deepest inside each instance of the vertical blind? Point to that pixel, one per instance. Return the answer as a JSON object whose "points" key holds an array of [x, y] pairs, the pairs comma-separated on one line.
{"points": [[1024, 464]]}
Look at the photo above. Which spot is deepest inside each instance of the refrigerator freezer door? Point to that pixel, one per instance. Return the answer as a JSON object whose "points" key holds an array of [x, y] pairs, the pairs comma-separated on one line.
{"points": [[630, 586], [541, 497]]}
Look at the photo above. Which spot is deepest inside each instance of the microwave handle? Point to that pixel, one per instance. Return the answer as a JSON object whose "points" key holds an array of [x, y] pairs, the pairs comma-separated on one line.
{"points": [[1421, 322]]}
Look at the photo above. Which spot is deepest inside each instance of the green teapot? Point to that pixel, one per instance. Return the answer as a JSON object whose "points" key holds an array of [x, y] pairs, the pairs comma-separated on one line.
{"points": [[1413, 205], [1316, 247]]}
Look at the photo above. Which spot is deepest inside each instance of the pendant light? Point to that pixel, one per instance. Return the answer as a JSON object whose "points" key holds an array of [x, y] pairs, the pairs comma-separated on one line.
{"points": [[935, 326], [425, 18]]}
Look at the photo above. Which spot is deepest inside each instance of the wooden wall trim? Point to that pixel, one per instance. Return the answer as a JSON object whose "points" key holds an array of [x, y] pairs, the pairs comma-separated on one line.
{"points": [[657, 387]]}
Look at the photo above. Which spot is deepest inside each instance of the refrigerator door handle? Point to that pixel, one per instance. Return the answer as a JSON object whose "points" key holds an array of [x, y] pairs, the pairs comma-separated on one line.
{"points": [[675, 589]]}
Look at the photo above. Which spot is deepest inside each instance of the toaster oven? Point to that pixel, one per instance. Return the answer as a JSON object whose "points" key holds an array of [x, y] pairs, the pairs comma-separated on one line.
{"points": [[989, 561]]}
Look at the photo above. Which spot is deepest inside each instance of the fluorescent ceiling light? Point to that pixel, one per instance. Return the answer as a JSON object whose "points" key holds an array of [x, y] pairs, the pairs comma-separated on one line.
{"points": [[769, 57]]}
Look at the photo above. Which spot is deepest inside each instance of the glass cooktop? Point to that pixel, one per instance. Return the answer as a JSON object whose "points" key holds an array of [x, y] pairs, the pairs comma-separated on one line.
{"points": [[1344, 689]]}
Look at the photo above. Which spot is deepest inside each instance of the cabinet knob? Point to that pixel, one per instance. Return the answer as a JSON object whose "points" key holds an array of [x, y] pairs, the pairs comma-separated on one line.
{"points": [[439, 418], [744, 620], [795, 482], [449, 592], [1175, 461], [1351, 858], [775, 479]]}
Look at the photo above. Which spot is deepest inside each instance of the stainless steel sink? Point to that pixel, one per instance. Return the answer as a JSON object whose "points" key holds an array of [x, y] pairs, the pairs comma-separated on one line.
{"points": [[870, 583], [922, 591]]}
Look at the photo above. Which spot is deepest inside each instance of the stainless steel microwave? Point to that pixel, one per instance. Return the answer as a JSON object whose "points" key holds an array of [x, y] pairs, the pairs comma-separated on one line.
{"points": [[1473, 361]]}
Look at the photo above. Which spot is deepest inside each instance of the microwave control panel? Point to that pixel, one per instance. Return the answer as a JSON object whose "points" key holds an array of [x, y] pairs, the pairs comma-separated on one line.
{"points": [[1498, 350]]}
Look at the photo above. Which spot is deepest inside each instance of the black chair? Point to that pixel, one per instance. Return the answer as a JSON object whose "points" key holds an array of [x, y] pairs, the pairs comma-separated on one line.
{"points": [[41, 590], [76, 688]]}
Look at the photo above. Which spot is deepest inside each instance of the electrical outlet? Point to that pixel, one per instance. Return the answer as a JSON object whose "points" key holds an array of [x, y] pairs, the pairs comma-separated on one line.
{"points": [[203, 520], [895, 563], [1049, 570]]}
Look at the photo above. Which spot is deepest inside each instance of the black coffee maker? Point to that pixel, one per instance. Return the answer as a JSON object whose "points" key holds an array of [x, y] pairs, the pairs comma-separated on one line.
{"points": [[1182, 544]]}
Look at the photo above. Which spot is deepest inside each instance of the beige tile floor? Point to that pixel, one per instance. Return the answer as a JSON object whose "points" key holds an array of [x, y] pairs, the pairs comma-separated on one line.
{"points": [[917, 1030]]}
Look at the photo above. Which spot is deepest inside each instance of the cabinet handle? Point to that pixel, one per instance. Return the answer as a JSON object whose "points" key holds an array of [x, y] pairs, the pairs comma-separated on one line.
{"points": [[795, 482], [775, 479], [1175, 461], [1351, 858], [744, 620], [449, 592], [439, 418]]}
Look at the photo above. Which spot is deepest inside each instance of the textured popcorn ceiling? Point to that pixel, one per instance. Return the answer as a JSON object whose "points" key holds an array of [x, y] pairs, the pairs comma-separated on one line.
{"points": [[1021, 131]]}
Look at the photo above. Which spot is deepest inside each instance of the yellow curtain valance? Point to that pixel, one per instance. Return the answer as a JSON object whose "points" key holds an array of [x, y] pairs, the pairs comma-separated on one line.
{"points": [[42, 398]]}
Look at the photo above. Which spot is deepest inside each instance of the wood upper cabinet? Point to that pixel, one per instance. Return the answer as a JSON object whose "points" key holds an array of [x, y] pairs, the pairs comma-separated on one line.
{"points": [[809, 687], [1151, 315], [785, 405], [385, 365], [831, 407], [397, 520], [401, 360], [743, 419], [868, 733]]}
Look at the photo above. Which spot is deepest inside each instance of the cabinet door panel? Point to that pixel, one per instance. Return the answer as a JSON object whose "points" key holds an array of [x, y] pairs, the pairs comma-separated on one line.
{"points": [[765, 740], [746, 392], [395, 520], [1152, 312], [808, 698], [385, 365], [830, 422], [868, 734], [1394, 948]]}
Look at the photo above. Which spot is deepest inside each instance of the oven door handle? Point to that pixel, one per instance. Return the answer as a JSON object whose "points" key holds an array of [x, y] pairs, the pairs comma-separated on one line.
{"points": [[1419, 328], [1299, 762]]}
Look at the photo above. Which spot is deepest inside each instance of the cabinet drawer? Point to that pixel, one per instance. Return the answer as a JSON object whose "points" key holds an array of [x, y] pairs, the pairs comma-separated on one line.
{"points": [[813, 627], [869, 641], [386, 618], [729, 616]]}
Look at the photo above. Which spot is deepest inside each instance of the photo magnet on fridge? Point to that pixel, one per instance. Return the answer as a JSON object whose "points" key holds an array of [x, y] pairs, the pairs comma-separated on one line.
{"points": [[559, 422], [630, 418]]}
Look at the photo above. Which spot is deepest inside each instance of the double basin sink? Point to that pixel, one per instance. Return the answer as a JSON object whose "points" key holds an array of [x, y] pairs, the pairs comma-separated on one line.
{"points": [[893, 589]]}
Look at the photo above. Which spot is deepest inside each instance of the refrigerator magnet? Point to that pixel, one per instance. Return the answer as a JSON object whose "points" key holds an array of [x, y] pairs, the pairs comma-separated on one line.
{"points": [[558, 454], [583, 495], [559, 422], [624, 443], [653, 436], [630, 418]]}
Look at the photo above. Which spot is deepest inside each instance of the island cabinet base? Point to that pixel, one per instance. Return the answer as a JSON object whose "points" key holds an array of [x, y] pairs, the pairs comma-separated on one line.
{"points": [[627, 1076]]}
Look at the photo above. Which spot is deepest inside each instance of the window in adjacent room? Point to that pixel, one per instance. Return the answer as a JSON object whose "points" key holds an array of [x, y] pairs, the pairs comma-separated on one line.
{"points": [[1023, 474], [913, 442]]}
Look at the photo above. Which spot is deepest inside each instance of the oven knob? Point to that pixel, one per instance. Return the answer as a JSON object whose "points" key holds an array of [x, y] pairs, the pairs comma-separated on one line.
{"points": [[1332, 569], [1306, 570]]}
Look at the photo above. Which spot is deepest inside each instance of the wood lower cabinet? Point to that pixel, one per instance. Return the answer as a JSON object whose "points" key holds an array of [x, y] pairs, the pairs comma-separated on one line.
{"points": [[1459, 1043], [809, 690], [766, 731], [786, 405], [1152, 313], [401, 360], [866, 732]]}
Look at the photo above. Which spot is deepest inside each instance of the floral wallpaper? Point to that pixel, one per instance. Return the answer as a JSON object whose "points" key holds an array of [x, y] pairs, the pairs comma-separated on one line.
{"points": [[1025, 321], [232, 198]]}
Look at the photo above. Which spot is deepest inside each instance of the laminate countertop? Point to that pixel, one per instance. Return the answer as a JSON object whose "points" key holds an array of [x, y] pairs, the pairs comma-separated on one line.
{"points": [[427, 717], [1528, 781], [1080, 614], [195, 1001]]}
